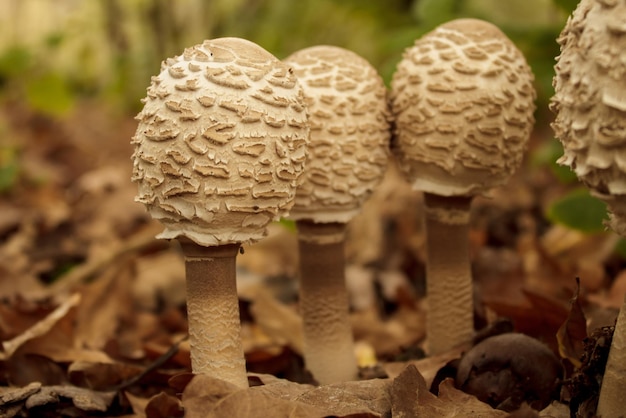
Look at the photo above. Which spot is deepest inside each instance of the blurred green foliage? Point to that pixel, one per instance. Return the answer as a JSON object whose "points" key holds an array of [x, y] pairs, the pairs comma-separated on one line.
{"points": [[51, 52], [579, 210], [9, 168]]}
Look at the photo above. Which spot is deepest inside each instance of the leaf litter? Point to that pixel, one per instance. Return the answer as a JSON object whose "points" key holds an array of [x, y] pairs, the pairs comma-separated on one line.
{"points": [[92, 315]]}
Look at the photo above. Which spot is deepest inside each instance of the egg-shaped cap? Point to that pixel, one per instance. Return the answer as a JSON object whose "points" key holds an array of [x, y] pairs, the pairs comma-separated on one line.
{"points": [[221, 142], [590, 101], [463, 102], [349, 140]]}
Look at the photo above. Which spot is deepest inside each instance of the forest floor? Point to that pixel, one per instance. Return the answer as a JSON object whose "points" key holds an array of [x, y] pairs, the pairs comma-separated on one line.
{"points": [[92, 306]]}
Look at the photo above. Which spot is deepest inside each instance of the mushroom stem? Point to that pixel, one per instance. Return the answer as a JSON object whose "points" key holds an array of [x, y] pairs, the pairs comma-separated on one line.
{"points": [[612, 402], [213, 312], [324, 306], [448, 273]]}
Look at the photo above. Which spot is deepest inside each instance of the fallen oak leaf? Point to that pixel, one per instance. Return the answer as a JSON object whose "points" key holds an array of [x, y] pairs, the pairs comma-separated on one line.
{"points": [[105, 302], [366, 398], [163, 405], [572, 333], [410, 398], [40, 328], [208, 397], [10, 395], [83, 399], [137, 404], [427, 367]]}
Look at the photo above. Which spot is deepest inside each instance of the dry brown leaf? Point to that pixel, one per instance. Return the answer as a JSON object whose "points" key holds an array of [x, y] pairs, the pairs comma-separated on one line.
{"points": [[406, 327], [164, 406], [12, 394], [207, 397], [83, 399], [40, 328], [279, 388], [427, 367], [138, 404], [410, 398], [278, 321], [101, 376], [160, 280], [555, 410], [368, 398], [104, 302], [572, 333]]}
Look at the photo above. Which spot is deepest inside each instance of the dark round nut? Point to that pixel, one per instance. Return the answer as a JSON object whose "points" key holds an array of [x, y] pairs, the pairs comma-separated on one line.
{"points": [[509, 369]]}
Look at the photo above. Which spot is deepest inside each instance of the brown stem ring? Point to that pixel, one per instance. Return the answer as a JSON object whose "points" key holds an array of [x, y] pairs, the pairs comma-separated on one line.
{"points": [[448, 273], [324, 305], [213, 312]]}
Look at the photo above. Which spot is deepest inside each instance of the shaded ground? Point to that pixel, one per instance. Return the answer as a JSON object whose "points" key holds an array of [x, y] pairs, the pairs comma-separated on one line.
{"points": [[92, 315]]}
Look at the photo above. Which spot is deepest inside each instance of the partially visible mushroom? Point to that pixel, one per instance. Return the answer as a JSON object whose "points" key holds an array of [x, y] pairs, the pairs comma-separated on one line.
{"points": [[590, 107], [463, 100], [348, 155], [220, 146], [510, 369]]}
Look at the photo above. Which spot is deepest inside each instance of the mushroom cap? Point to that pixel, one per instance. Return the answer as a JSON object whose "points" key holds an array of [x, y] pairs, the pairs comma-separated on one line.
{"points": [[221, 142], [590, 101], [463, 100], [349, 139]]}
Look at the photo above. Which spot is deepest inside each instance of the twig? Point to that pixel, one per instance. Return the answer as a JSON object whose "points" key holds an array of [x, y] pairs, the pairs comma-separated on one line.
{"points": [[138, 242]]}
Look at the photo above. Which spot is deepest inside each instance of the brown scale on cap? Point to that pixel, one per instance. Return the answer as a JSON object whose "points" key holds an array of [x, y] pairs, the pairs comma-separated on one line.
{"points": [[464, 101], [590, 101], [349, 118], [590, 107], [221, 143], [219, 151], [348, 155]]}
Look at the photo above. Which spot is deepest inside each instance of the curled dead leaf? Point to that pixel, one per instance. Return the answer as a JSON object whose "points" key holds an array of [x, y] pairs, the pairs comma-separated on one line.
{"points": [[40, 328]]}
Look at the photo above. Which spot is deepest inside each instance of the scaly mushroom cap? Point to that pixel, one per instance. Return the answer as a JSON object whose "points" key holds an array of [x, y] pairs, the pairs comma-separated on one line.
{"points": [[463, 100], [590, 101], [349, 119], [221, 142]]}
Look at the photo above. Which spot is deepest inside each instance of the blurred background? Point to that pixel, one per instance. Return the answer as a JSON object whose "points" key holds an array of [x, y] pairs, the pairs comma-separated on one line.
{"points": [[72, 74], [60, 58], [55, 52]]}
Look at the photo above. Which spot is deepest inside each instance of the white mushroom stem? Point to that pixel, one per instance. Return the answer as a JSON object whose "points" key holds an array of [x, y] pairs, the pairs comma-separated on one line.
{"points": [[213, 312], [448, 273], [612, 402], [324, 305]]}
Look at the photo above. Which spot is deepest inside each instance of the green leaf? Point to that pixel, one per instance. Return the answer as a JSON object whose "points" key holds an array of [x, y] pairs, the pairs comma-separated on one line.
{"points": [[289, 224], [50, 93], [579, 210]]}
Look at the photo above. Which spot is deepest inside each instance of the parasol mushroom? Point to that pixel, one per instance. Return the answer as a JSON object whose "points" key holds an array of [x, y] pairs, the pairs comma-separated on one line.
{"points": [[463, 101], [590, 107], [219, 149], [348, 156]]}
